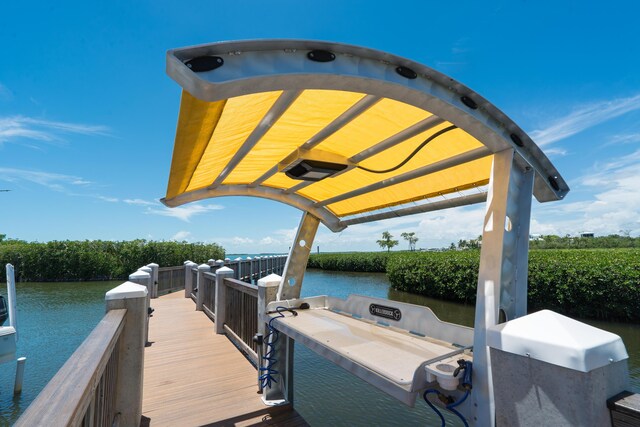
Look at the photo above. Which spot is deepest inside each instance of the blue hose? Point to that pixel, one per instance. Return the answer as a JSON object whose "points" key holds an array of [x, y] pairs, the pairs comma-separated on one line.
{"points": [[459, 416], [451, 407], [467, 366], [464, 397], [268, 372], [437, 393]]}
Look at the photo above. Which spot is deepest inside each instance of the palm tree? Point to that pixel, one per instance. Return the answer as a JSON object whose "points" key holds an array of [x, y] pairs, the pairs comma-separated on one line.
{"points": [[387, 241], [411, 238]]}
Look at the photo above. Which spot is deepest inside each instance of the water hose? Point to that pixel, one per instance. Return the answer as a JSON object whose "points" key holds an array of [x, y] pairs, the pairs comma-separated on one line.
{"points": [[467, 367], [431, 405], [267, 371]]}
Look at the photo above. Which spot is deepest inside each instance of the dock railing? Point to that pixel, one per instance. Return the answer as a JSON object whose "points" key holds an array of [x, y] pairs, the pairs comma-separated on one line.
{"points": [[101, 383], [233, 306], [170, 279], [241, 320]]}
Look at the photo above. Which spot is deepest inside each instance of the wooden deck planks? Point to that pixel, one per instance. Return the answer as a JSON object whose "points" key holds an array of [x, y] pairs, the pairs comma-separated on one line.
{"points": [[194, 377]]}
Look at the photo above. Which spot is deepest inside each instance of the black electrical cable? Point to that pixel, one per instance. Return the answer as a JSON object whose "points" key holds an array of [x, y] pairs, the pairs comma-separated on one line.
{"points": [[418, 148]]}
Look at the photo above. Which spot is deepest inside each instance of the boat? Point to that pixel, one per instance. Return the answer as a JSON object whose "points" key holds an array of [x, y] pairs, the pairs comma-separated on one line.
{"points": [[350, 135], [9, 333]]}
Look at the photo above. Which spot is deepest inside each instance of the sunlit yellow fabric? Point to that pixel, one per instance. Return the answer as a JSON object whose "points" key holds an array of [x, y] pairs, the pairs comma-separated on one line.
{"points": [[196, 123], [309, 114], [240, 117], [445, 146], [439, 183], [209, 134], [384, 119]]}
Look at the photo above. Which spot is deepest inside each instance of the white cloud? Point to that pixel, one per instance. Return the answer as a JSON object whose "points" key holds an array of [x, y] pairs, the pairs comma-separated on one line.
{"points": [[269, 241], [584, 117], [555, 152], [108, 199], [22, 128], [613, 201], [181, 236], [53, 181], [242, 240], [139, 202], [624, 138], [183, 213]]}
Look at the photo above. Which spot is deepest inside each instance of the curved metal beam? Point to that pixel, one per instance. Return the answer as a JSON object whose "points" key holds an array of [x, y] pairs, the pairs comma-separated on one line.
{"points": [[323, 214], [267, 65]]}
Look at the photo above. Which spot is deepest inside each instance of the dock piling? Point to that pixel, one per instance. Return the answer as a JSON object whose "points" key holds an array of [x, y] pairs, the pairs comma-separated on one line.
{"points": [[17, 387]]}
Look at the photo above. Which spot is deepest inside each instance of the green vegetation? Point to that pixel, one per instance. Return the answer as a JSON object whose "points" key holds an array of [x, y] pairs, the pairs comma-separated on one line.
{"points": [[387, 241], [551, 241], [590, 283], [95, 259], [364, 262], [601, 242]]}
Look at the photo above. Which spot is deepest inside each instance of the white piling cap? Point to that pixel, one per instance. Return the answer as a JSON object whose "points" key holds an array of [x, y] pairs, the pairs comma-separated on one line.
{"points": [[139, 275], [270, 280], [145, 268], [153, 265], [204, 267], [126, 290], [224, 270]]}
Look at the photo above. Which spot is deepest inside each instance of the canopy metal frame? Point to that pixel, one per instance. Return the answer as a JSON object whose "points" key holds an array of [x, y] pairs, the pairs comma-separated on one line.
{"points": [[271, 65], [519, 170]]}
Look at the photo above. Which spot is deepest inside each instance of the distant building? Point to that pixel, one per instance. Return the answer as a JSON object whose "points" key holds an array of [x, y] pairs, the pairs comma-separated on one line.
{"points": [[587, 235]]}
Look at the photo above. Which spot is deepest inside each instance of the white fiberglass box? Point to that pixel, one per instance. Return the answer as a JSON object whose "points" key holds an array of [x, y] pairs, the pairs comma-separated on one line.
{"points": [[548, 369]]}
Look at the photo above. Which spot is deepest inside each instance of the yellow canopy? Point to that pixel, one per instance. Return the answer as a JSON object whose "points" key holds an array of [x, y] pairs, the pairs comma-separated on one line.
{"points": [[245, 126]]}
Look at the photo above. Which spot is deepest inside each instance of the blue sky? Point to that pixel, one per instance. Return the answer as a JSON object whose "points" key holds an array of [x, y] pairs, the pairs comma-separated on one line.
{"points": [[88, 115]]}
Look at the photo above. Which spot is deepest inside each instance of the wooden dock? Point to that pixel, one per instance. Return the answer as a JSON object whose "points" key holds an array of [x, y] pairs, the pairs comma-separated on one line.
{"points": [[194, 377]]}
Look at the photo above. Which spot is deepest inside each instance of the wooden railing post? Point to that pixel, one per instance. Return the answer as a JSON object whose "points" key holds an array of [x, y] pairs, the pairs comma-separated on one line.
{"points": [[237, 268], [267, 291], [128, 396], [149, 283], [154, 279], [221, 297], [202, 268], [250, 261], [188, 278]]}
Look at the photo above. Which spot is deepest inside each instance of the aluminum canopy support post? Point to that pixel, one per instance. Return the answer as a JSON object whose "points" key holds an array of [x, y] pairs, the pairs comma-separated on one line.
{"points": [[502, 279], [296, 265], [281, 390]]}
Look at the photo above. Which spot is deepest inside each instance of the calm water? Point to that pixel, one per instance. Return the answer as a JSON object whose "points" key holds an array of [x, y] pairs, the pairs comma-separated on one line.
{"points": [[54, 318]]}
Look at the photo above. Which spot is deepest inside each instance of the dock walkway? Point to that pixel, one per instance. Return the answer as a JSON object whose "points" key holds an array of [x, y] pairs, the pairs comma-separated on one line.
{"points": [[194, 377]]}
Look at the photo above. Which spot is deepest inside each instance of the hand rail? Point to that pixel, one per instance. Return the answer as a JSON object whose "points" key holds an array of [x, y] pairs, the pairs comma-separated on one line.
{"points": [[83, 389]]}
